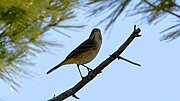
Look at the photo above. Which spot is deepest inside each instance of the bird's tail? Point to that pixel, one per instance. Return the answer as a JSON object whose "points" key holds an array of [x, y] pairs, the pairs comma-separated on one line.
{"points": [[56, 67]]}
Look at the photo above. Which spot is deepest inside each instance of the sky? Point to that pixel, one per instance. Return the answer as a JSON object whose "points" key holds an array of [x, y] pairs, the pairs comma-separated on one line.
{"points": [[156, 80]]}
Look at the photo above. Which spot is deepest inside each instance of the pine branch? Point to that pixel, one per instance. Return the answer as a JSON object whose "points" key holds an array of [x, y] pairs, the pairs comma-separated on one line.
{"points": [[166, 10], [92, 74]]}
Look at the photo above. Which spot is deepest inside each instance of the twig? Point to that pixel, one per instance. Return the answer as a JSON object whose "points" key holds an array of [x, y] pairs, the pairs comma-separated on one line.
{"points": [[120, 57], [92, 74]]}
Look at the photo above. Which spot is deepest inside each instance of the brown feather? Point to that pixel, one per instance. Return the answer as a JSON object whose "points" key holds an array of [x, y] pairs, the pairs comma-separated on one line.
{"points": [[83, 47]]}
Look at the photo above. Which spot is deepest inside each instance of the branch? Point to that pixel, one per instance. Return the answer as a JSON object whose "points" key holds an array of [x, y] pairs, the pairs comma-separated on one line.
{"points": [[92, 74]]}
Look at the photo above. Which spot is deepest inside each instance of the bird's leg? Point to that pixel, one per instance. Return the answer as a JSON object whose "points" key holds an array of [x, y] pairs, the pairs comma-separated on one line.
{"points": [[89, 69], [79, 71]]}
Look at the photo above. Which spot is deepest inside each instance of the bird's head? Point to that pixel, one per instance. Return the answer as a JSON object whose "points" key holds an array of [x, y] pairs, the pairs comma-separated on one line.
{"points": [[96, 34]]}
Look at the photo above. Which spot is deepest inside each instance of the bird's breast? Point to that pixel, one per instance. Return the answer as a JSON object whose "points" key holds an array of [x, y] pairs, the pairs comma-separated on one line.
{"points": [[89, 55]]}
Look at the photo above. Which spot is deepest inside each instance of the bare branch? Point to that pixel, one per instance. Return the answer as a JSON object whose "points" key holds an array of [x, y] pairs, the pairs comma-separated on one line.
{"points": [[92, 74], [120, 57]]}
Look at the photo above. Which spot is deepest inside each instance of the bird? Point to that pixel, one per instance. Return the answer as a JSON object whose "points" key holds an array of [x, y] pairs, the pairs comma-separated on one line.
{"points": [[84, 53]]}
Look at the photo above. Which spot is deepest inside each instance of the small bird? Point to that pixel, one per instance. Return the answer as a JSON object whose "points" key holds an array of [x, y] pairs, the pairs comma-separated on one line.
{"points": [[84, 53]]}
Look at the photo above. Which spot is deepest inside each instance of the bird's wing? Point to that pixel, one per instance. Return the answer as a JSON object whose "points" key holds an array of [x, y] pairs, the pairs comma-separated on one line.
{"points": [[85, 46]]}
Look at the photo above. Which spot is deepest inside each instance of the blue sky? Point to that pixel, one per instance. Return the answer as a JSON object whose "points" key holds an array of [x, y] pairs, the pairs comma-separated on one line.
{"points": [[156, 80]]}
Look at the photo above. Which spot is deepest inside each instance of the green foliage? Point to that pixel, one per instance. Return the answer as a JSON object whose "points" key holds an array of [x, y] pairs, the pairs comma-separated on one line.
{"points": [[22, 25], [151, 10], [157, 11]]}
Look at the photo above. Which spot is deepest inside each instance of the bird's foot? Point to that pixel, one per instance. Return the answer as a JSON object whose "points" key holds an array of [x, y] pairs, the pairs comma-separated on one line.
{"points": [[89, 69]]}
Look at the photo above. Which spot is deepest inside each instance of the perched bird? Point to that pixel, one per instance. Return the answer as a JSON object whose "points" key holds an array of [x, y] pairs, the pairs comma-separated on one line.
{"points": [[84, 53]]}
